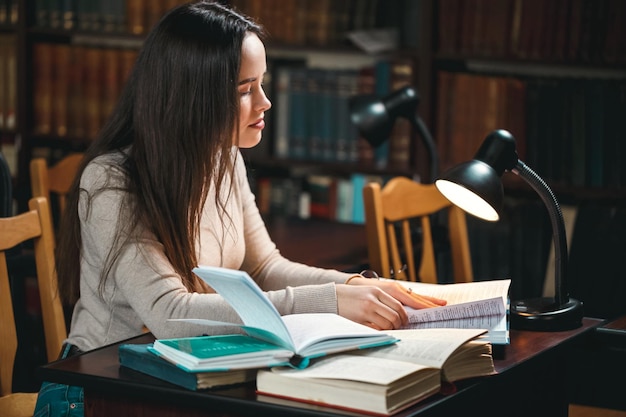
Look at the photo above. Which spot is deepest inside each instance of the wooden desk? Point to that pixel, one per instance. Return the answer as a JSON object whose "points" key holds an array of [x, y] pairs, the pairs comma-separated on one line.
{"points": [[321, 243], [531, 382]]}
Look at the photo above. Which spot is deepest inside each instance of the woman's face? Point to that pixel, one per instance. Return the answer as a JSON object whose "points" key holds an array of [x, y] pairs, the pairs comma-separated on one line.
{"points": [[252, 99]]}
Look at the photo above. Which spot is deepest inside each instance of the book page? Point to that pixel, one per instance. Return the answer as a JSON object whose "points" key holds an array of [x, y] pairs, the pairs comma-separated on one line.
{"points": [[489, 307], [497, 326], [470, 299], [245, 296], [428, 347], [355, 368], [463, 292], [323, 333]]}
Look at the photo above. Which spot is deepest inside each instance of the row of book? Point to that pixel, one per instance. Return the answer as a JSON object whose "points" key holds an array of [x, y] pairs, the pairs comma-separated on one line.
{"points": [[575, 132], [318, 22], [558, 30], [294, 22], [470, 106], [115, 16], [75, 87], [8, 12], [314, 196], [311, 114], [8, 82], [566, 129]]}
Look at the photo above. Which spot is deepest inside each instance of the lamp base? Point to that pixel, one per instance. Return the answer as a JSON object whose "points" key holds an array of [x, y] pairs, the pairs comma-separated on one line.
{"points": [[543, 314]]}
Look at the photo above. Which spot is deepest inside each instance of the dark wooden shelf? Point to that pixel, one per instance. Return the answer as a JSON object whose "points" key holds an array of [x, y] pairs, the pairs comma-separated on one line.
{"points": [[337, 168]]}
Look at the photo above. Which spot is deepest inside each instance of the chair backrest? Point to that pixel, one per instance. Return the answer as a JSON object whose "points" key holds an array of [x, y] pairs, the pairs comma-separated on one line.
{"points": [[34, 224], [394, 209], [56, 179]]}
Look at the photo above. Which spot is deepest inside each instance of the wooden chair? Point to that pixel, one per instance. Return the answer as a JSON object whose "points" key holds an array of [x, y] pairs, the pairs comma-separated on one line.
{"points": [[391, 209], [56, 179], [34, 224]]}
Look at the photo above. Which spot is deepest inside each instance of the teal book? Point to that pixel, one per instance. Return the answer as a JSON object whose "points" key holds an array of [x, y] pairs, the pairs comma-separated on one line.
{"points": [[293, 338], [221, 352], [139, 357]]}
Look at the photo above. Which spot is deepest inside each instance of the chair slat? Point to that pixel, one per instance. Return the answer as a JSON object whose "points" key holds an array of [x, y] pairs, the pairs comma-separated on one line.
{"points": [[397, 204]]}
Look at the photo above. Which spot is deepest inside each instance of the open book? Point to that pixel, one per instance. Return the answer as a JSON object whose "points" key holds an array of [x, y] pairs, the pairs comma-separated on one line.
{"points": [[471, 305], [388, 379], [270, 339]]}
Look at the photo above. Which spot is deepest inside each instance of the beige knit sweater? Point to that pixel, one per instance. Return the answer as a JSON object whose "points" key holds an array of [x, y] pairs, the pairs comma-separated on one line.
{"points": [[143, 288]]}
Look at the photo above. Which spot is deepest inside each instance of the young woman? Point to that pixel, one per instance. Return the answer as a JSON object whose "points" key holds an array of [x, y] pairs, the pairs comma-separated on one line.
{"points": [[164, 188]]}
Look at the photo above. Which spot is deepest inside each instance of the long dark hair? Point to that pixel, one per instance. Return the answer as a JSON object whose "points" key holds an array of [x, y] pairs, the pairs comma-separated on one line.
{"points": [[176, 115]]}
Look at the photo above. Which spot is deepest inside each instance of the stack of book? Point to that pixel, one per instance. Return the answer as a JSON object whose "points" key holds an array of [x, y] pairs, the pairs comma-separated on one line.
{"points": [[325, 358]]}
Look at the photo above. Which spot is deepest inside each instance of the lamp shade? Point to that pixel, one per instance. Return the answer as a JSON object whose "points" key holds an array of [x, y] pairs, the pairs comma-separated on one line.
{"points": [[475, 187], [371, 118], [374, 117]]}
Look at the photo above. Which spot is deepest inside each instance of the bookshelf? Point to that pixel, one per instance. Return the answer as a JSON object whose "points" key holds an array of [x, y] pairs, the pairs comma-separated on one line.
{"points": [[551, 72], [71, 64], [477, 46]]}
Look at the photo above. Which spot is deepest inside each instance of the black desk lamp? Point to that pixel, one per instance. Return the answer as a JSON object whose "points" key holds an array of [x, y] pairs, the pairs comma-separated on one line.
{"points": [[374, 118], [475, 187]]}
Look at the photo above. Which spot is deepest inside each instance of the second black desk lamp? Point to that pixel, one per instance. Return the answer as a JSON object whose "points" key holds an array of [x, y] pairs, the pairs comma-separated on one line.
{"points": [[375, 117]]}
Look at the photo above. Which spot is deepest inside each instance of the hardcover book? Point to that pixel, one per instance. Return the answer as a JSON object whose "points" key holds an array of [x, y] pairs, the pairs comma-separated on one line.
{"points": [[385, 380], [220, 352], [138, 357]]}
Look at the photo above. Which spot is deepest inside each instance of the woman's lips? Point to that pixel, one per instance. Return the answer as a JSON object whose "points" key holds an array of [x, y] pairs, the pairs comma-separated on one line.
{"points": [[259, 124]]}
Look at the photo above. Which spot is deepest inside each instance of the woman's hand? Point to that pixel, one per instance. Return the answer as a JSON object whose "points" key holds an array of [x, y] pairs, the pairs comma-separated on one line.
{"points": [[380, 303]]}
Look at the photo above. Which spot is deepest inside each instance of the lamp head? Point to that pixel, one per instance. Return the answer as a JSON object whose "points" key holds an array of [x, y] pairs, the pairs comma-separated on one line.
{"points": [[475, 185], [375, 117]]}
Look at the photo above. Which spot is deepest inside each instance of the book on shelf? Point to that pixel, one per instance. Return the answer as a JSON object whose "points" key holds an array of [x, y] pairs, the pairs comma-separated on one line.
{"points": [[345, 200], [470, 106], [111, 81], [138, 357], [4, 13], [135, 17], [385, 380], [42, 87], [8, 80], [478, 304], [297, 120], [93, 90], [75, 93], [316, 115], [366, 86], [323, 191], [299, 337], [62, 55], [345, 132], [400, 137]]}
